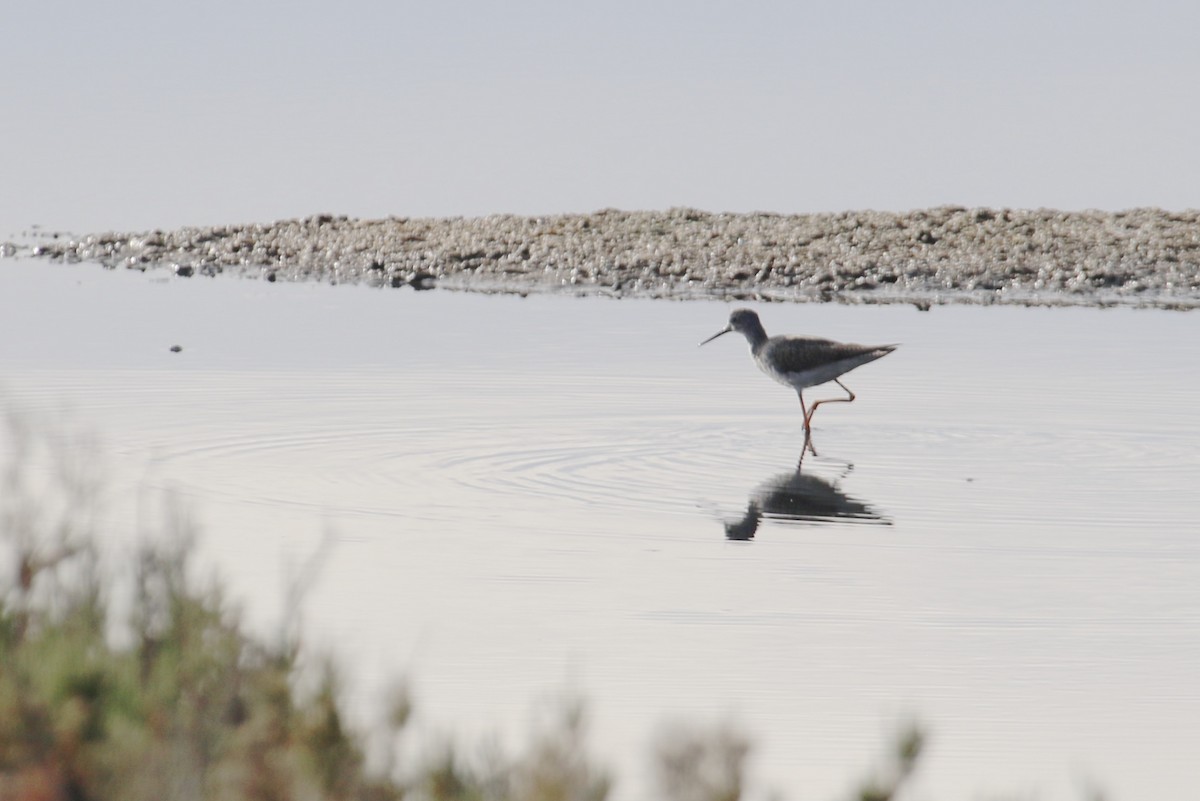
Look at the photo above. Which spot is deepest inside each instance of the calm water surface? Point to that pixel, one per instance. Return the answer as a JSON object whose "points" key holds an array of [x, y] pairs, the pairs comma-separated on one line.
{"points": [[1000, 538]]}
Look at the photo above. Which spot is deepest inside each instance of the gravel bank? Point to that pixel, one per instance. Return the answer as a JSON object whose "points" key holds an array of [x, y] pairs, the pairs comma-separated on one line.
{"points": [[1141, 257]]}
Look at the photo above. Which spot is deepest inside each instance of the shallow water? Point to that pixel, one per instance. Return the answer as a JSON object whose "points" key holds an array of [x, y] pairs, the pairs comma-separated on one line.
{"points": [[999, 538]]}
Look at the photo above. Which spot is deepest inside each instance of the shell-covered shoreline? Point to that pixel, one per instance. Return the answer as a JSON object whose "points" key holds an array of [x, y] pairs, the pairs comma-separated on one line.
{"points": [[1139, 257]]}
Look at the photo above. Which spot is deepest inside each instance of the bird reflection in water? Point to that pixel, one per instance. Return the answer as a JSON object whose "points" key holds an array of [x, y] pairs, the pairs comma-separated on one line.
{"points": [[801, 497]]}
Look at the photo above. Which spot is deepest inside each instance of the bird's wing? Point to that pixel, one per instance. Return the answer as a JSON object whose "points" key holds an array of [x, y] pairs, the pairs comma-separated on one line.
{"points": [[812, 351]]}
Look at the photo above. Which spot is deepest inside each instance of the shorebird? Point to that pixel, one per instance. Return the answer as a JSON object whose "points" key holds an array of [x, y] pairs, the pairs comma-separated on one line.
{"points": [[801, 362]]}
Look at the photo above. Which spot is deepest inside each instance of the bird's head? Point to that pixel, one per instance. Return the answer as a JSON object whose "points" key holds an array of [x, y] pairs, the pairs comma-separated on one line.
{"points": [[743, 321]]}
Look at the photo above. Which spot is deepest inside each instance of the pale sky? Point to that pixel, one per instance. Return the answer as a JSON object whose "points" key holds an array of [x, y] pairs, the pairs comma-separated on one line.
{"points": [[133, 114]]}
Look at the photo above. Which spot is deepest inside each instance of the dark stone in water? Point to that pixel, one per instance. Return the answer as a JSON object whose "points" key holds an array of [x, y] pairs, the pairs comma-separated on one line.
{"points": [[422, 280]]}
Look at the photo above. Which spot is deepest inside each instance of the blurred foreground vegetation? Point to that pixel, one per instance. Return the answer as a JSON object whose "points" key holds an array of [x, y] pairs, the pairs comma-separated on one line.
{"points": [[141, 683]]}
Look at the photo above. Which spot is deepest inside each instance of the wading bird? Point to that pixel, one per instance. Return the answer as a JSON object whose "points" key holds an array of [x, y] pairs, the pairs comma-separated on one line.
{"points": [[801, 362]]}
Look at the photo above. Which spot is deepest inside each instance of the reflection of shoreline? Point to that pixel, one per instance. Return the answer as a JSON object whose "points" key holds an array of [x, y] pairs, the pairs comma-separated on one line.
{"points": [[801, 497]]}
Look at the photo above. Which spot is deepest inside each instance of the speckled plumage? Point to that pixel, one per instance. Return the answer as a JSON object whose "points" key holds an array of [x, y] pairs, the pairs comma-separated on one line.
{"points": [[801, 362]]}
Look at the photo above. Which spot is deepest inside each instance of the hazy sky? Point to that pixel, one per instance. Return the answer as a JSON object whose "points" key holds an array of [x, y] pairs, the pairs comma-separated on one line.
{"points": [[134, 114]]}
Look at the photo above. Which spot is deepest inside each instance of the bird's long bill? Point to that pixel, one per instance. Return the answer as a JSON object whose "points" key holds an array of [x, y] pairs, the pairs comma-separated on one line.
{"points": [[724, 330]]}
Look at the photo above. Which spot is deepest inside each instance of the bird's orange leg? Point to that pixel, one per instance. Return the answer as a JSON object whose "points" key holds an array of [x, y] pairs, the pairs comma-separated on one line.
{"points": [[808, 446], [809, 414]]}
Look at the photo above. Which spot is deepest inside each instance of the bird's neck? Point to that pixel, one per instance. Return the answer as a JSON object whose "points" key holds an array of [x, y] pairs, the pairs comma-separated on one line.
{"points": [[755, 335]]}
